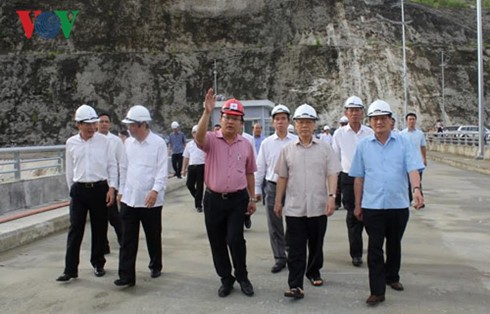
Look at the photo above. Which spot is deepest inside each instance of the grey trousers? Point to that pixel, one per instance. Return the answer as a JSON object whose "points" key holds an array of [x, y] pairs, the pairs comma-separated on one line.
{"points": [[276, 226]]}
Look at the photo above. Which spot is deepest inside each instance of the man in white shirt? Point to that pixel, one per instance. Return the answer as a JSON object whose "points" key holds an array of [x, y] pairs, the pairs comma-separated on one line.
{"points": [[144, 174], [344, 144], [248, 220], [103, 127], [417, 138], [91, 176], [193, 168], [266, 162], [326, 136]]}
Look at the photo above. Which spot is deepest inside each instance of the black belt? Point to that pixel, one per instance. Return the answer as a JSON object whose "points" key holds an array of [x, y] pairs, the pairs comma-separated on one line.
{"points": [[271, 182], [225, 195], [91, 185]]}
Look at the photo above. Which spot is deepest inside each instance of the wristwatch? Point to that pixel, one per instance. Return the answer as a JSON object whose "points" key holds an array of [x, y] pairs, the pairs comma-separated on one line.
{"points": [[332, 195], [415, 188], [252, 200]]}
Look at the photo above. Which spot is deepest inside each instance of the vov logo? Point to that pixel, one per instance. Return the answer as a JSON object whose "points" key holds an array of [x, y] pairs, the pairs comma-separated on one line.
{"points": [[47, 24]]}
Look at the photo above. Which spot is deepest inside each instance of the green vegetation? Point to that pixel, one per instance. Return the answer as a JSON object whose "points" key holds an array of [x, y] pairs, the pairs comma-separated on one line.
{"points": [[454, 4]]}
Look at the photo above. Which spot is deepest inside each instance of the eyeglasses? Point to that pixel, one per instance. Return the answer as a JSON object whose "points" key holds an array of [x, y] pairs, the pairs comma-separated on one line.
{"points": [[231, 118]]}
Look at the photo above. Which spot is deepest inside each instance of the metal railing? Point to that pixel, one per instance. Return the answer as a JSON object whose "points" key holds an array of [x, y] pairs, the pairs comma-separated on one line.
{"points": [[455, 138], [16, 161]]}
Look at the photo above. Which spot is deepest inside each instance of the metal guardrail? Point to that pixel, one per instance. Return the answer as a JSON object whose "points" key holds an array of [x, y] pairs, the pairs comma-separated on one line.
{"points": [[455, 138], [16, 160]]}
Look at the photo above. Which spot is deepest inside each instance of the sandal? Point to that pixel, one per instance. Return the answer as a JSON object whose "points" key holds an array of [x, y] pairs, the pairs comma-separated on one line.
{"points": [[296, 293], [316, 281]]}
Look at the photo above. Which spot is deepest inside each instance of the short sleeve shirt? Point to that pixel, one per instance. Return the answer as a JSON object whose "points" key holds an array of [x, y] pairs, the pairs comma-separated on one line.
{"points": [[227, 164], [384, 168], [307, 169]]}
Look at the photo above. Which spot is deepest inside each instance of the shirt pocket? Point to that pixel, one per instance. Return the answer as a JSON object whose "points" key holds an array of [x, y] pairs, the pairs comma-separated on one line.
{"points": [[240, 163]]}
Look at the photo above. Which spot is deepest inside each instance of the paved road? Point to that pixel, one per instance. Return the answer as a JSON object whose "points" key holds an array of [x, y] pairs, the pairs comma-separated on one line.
{"points": [[445, 266]]}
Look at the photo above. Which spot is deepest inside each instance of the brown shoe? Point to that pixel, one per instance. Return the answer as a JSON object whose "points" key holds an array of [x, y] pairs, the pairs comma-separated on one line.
{"points": [[396, 286], [375, 299]]}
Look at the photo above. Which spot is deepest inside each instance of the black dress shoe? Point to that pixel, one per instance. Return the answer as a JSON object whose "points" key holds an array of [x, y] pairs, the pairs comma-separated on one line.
{"points": [[124, 282], [155, 273], [66, 277], [396, 286], [99, 271], [225, 290], [277, 267], [247, 288], [357, 261], [375, 299]]}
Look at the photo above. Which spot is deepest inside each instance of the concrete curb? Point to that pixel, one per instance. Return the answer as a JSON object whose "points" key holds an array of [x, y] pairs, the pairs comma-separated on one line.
{"points": [[466, 164], [29, 229]]}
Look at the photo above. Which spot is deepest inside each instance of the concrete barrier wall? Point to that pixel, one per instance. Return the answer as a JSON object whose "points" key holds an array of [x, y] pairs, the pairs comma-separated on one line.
{"points": [[32, 193], [457, 149]]}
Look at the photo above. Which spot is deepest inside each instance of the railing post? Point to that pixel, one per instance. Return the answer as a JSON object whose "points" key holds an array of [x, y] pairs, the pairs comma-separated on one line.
{"points": [[17, 165], [59, 168]]}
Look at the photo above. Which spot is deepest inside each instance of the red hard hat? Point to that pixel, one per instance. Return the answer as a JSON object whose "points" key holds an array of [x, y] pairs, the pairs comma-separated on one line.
{"points": [[233, 107]]}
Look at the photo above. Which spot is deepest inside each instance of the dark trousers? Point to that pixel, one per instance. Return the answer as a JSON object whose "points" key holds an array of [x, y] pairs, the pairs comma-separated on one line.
{"points": [[276, 227], [92, 200], [410, 195], [195, 183], [151, 220], [177, 160], [115, 220], [381, 224], [338, 193], [354, 226], [224, 225], [303, 232]]}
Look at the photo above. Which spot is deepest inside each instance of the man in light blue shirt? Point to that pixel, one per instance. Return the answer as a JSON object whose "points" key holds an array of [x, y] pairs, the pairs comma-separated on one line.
{"points": [[380, 166], [177, 145], [417, 138]]}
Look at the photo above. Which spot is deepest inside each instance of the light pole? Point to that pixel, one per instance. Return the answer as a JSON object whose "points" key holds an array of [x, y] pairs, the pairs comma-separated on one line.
{"points": [[405, 83], [215, 73], [443, 105], [481, 112]]}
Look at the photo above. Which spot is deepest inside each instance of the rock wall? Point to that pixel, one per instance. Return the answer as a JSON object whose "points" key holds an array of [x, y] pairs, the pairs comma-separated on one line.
{"points": [[161, 53]]}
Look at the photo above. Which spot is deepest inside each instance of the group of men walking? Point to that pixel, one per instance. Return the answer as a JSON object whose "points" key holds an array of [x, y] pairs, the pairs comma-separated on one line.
{"points": [[96, 166], [300, 174]]}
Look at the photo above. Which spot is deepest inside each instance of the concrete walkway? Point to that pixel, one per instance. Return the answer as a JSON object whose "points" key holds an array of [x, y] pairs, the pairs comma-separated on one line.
{"points": [[31, 228], [445, 265]]}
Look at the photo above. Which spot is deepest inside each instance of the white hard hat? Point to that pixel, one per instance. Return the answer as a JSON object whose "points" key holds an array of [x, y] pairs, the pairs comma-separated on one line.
{"points": [[280, 109], [344, 119], [86, 114], [174, 125], [353, 102], [194, 129], [379, 108], [326, 128], [136, 114], [305, 111], [290, 128]]}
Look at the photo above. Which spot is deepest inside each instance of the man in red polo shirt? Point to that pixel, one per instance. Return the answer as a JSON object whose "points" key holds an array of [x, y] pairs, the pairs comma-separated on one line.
{"points": [[230, 182]]}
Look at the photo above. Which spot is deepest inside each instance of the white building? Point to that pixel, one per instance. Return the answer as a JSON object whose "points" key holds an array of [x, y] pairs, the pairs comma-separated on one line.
{"points": [[255, 111]]}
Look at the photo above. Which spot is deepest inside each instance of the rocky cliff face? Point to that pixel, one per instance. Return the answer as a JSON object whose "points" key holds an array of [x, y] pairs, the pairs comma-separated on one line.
{"points": [[161, 53]]}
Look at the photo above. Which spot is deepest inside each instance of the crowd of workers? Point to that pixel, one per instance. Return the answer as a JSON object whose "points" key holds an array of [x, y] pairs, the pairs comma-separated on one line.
{"points": [[297, 176]]}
